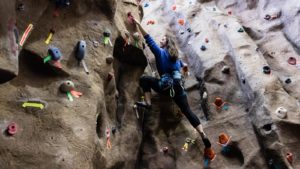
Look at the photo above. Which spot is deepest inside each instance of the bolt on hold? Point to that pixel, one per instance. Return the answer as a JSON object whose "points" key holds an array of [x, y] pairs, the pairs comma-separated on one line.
{"points": [[267, 70], [80, 54], [12, 128], [203, 48], [68, 87], [54, 56], [292, 61], [106, 37]]}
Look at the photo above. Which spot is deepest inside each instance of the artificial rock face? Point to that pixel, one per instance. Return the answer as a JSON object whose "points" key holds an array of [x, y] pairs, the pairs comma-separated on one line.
{"points": [[226, 45]]}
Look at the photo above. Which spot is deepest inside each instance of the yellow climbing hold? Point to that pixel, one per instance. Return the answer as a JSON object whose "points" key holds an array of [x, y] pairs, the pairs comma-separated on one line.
{"points": [[37, 105]]}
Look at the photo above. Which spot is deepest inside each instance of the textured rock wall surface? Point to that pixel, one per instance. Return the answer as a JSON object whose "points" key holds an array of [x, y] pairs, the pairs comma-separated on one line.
{"points": [[72, 134]]}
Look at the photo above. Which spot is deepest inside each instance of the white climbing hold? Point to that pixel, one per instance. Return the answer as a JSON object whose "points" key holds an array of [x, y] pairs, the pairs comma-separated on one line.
{"points": [[204, 96], [281, 112]]}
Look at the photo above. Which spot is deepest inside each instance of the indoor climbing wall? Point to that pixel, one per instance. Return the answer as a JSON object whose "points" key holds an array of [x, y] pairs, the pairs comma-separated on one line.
{"points": [[69, 74]]}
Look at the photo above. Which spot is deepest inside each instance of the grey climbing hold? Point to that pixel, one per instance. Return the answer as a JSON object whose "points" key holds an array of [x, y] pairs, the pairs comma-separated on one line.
{"points": [[109, 60], [281, 112], [226, 70], [66, 86], [203, 48], [288, 81]]}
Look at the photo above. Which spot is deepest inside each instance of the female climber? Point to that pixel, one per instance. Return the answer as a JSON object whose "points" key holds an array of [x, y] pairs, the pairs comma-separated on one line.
{"points": [[169, 65]]}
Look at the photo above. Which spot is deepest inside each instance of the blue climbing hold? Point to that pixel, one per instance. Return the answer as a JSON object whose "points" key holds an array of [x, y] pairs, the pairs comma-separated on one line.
{"points": [[55, 53], [80, 50], [203, 48], [146, 5]]}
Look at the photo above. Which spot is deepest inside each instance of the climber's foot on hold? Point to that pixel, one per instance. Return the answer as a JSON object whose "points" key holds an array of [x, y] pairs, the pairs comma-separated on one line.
{"points": [[143, 104]]}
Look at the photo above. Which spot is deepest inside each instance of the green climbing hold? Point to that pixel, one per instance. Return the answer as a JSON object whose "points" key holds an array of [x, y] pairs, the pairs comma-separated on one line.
{"points": [[241, 30]]}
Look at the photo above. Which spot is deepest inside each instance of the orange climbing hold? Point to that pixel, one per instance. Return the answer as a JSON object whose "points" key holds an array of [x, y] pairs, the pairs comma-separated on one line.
{"points": [[209, 153], [151, 22], [223, 138], [181, 21]]}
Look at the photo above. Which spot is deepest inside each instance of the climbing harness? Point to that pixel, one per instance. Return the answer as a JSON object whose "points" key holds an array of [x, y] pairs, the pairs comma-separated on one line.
{"points": [[26, 34]]}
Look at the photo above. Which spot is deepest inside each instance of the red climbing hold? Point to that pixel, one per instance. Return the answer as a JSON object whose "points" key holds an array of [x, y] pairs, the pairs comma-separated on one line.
{"points": [[130, 18], [292, 61], [229, 13], [12, 128], [289, 157], [174, 7], [219, 103], [152, 22], [109, 76], [181, 21], [206, 40]]}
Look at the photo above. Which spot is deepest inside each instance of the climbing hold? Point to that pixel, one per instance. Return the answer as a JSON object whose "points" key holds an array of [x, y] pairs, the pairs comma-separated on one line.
{"points": [[51, 33], [189, 30], [109, 60], [267, 17], [203, 48], [165, 149], [281, 112], [292, 61], [67, 86], [225, 106], [108, 143], [136, 37], [209, 153], [54, 55], [181, 21], [289, 157], [106, 37], [30, 104], [229, 12], [80, 50], [12, 128], [113, 130], [226, 70], [26, 34], [224, 138], [109, 76], [80, 54], [146, 5], [62, 3], [241, 30], [130, 18], [219, 103], [206, 40], [288, 81], [174, 7], [21, 7], [181, 31], [151, 22], [266, 69]]}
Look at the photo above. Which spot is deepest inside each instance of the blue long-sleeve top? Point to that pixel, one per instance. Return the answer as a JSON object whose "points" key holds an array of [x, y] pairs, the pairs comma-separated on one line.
{"points": [[163, 63]]}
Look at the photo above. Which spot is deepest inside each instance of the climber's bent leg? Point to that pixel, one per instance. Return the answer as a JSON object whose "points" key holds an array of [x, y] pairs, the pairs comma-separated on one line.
{"points": [[147, 83]]}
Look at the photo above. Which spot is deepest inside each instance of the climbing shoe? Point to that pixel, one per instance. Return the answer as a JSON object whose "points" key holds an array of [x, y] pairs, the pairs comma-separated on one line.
{"points": [[143, 104]]}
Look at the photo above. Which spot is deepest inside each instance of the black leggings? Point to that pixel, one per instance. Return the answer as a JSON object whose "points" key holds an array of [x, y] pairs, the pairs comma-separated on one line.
{"points": [[180, 98]]}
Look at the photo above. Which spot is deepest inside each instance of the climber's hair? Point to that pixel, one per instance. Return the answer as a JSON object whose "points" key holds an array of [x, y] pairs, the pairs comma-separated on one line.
{"points": [[172, 47]]}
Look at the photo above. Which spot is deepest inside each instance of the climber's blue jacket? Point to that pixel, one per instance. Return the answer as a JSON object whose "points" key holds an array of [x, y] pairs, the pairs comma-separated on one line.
{"points": [[163, 63]]}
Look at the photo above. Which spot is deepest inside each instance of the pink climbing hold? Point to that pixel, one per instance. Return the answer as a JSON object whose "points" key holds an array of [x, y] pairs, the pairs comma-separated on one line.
{"points": [[292, 61], [130, 18], [12, 128], [174, 7], [206, 40]]}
